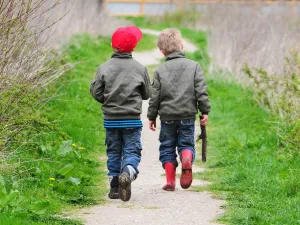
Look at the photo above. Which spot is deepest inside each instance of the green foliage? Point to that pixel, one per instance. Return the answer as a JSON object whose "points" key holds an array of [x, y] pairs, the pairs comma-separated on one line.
{"points": [[290, 136], [22, 124], [278, 94], [25, 219], [145, 22], [199, 38], [147, 43], [181, 18]]}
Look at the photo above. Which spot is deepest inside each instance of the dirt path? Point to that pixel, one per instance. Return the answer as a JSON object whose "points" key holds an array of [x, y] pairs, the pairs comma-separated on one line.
{"points": [[149, 204]]}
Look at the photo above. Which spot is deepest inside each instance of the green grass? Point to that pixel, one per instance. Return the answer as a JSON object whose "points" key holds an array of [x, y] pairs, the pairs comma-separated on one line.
{"points": [[143, 22], [147, 43], [259, 180], [9, 219], [80, 117]]}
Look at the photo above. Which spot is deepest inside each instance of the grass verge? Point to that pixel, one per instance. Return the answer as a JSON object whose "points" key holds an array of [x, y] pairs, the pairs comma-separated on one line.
{"points": [[248, 169]]}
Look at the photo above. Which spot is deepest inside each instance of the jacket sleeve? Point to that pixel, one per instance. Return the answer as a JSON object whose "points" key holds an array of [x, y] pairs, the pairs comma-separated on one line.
{"points": [[97, 87], [200, 91], [155, 98], [146, 86]]}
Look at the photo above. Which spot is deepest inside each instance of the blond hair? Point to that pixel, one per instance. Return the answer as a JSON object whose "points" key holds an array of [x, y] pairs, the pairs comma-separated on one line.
{"points": [[170, 40]]}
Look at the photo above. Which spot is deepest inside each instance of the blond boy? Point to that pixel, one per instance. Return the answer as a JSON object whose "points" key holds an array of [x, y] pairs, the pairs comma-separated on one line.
{"points": [[179, 91]]}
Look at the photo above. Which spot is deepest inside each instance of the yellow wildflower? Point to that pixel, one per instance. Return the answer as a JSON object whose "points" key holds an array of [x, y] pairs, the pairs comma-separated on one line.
{"points": [[51, 178], [81, 148], [73, 145]]}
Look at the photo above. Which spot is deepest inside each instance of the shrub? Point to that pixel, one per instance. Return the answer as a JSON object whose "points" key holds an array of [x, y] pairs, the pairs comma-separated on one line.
{"points": [[279, 94], [26, 65]]}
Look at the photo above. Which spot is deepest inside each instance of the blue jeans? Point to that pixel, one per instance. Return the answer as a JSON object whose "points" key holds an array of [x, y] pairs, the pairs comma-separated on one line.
{"points": [[123, 147], [176, 133]]}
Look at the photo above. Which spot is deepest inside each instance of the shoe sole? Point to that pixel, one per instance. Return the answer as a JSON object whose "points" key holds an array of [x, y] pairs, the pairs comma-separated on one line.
{"points": [[124, 187], [168, 188], [186, 177], [113, 195]]}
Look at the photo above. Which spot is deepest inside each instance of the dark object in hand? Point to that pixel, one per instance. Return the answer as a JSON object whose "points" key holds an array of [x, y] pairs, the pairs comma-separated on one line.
{"points": [[203, 137]]}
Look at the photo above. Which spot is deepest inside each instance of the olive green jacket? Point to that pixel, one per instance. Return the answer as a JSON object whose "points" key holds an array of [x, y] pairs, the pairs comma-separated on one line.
{"points": [[120, 85], [178, 90]]}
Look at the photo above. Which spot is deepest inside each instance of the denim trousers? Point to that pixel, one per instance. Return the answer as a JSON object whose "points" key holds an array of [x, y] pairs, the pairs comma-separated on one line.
{"points": [[123, 147], [176, 134]]}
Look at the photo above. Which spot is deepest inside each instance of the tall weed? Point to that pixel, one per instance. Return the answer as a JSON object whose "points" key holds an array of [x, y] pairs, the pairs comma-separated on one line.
{"points": [[26, 65], [279, 94]]}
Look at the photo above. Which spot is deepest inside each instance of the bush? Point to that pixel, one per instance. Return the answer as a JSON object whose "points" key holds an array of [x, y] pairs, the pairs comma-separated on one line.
{"points": [[26, 65], [276, 93], [280, 95]]}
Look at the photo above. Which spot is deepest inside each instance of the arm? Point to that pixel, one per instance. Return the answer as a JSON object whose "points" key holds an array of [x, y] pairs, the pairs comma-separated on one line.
{"points": [[155, 98], [97, 87], [146, 86], [200, 92]]}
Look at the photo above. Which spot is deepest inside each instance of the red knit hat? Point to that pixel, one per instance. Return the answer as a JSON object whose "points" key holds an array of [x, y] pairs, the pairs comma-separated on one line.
{"points": [[125, 39]]}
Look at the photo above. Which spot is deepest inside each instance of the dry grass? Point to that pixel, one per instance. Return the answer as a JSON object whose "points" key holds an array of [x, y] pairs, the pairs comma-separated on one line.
{"points": [[240, 34], [24, 56], [268, 42]]}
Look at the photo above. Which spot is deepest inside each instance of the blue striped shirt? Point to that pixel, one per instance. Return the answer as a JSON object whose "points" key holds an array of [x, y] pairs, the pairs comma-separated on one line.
{"points": [[122, 123]]}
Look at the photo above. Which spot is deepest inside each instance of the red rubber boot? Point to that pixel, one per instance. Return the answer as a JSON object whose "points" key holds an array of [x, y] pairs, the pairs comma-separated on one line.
{"points": [[170, 175], [186, 177]]}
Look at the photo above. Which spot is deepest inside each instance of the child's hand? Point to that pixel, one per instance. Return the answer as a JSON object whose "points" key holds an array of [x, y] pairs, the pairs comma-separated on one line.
{"points": [[203, 120], [152, 125]]}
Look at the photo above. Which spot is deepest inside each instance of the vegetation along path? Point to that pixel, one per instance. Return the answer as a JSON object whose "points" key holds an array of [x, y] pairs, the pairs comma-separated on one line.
{"points": [[149, 204]]}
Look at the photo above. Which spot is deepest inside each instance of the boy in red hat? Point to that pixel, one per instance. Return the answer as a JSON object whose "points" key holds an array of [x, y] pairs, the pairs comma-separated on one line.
{"points": [[120, 86], [179, 91]]}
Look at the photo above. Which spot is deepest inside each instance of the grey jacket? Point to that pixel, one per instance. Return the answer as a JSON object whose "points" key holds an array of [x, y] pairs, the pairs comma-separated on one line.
{"points": [[120, 85], [179, 90]]}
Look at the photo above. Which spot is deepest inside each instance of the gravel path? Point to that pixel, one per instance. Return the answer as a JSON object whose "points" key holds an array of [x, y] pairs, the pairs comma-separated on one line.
{"points": [[149, 204]]}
